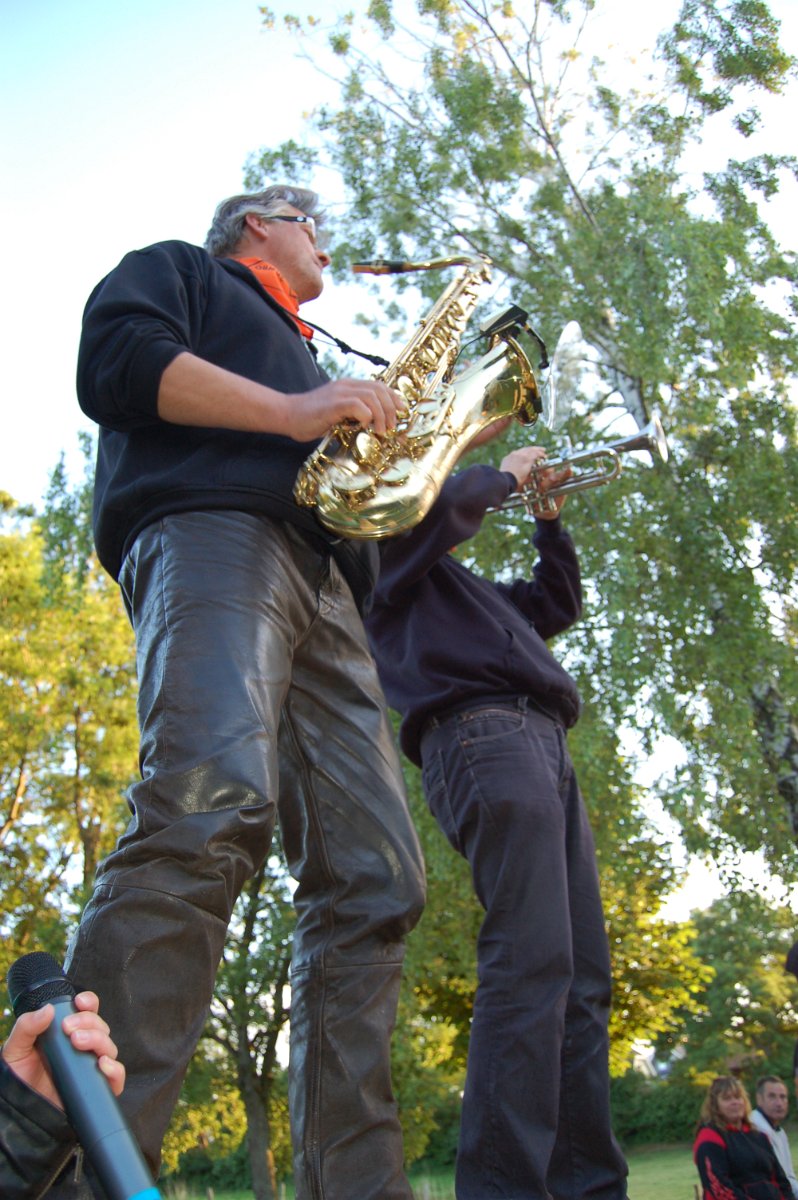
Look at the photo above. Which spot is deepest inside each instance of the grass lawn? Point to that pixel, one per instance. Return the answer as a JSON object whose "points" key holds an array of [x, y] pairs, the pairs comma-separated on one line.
{"points": [[655, 1173], [662, 1173]]}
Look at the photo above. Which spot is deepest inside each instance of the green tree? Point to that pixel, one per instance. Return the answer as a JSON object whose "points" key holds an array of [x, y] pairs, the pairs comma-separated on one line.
{"points": [[741, 1019], [31, 869], [656, 969], [746, 1019], [67, 708], [481, 126], [250, 1011], [69, 749]]}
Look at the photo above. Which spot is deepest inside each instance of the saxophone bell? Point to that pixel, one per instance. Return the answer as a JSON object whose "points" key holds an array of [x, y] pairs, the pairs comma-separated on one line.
{"points": [[367, 485]]}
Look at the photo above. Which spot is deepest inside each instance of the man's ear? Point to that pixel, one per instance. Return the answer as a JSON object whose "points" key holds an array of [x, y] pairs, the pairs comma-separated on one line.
{"points": [[255, 226]]}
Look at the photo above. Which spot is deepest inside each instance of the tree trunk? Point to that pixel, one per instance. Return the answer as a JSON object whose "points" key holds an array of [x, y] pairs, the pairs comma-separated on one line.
{"points": [[778, 734], [261, 1159]]}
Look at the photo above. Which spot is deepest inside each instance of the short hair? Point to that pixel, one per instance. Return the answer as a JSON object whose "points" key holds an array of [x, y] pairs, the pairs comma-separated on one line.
{"points": [[227, 227], [724, 1085], [760, 1083]]}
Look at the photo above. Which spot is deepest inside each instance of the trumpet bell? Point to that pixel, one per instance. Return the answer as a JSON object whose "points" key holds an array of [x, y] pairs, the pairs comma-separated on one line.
{"points": [[659, 439], [606, 466], [651, 437]]}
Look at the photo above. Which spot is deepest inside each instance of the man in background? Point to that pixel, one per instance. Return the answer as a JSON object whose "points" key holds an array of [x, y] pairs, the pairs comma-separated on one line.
{"points": [[772, 1104]]}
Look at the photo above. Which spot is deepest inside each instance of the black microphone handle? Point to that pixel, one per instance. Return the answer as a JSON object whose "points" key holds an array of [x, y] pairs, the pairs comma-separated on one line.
{"points": [[94, 1113]]}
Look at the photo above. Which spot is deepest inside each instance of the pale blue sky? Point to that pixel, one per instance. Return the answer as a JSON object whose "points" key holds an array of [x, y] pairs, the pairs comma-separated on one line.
{"points": [[124, 124]]}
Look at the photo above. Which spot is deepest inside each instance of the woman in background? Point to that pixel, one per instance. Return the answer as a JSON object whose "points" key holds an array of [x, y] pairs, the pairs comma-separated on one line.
{"points": [[734, 1160]]}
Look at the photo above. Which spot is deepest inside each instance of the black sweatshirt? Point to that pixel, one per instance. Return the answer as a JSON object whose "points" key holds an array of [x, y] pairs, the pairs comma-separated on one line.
{"points": [[443, 637], [158, 303], [36, 1141]]}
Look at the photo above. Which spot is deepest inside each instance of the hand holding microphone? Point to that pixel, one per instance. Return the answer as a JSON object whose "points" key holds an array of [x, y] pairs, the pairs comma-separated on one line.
{"points": [[85, 1030], [83, 1085]]}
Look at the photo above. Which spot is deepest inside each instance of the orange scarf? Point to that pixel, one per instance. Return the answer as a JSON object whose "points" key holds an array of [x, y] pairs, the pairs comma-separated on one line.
{"points": [[278, 288]]}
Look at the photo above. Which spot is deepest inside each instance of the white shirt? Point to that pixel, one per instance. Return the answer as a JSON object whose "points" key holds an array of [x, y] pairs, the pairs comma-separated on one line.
{"points": [[777, 1136]]}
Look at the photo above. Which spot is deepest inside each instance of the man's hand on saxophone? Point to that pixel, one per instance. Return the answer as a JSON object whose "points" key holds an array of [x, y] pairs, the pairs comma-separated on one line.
{"points": [[368, 403], [193, 391], [526, 464]]}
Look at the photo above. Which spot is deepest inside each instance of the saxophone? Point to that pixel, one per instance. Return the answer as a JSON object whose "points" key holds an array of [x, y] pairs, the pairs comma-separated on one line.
{"points": [[368, 485]]}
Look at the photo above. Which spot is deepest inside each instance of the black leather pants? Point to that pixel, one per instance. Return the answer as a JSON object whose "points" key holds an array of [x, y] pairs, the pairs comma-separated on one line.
{"points": [[258, 696]]}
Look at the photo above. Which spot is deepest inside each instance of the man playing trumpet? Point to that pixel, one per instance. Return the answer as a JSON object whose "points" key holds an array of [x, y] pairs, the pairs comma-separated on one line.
{"points": [[485, 707]]}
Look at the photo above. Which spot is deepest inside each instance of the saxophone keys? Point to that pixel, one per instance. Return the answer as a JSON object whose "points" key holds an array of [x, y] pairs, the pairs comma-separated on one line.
{"points": [[397, 473], [348, 482], [367, 449]]}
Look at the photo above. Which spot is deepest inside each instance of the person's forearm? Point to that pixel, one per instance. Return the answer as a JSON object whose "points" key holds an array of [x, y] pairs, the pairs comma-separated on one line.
{"points": [[195, 392], [192, 391]]}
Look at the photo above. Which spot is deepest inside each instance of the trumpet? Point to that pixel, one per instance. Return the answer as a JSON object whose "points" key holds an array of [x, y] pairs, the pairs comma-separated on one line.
{"points": [[607, 466]]}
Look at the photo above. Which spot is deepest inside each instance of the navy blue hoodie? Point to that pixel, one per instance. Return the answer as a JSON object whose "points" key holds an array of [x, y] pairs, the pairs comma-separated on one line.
{"points": [[442, 636]]}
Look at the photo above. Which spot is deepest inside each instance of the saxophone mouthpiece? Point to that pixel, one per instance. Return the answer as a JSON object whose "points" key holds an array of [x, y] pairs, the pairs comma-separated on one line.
{"points": [[383, 266]]}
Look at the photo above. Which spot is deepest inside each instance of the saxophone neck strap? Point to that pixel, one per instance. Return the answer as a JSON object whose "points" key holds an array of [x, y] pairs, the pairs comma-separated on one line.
{"points": [[280, 291], [375, 359]]}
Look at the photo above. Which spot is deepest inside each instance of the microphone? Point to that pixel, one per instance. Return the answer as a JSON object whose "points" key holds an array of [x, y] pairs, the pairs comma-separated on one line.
{"points": [[91, 1107]]}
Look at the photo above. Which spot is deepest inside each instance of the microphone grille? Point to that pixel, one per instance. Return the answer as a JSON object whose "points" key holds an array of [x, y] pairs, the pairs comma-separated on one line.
{"points": [[35, 980]]}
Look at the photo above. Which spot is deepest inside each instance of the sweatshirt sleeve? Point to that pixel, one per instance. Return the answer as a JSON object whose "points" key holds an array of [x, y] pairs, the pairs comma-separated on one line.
{"points": [[552, 598], [145, 313]]}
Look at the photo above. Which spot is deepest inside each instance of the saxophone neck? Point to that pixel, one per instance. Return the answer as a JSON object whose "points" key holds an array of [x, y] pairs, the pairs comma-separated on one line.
{"points": [[393, 266]]}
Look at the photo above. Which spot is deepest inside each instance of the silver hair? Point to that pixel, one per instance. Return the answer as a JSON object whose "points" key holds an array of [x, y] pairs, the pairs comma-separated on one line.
{"points": [[227, 227]]}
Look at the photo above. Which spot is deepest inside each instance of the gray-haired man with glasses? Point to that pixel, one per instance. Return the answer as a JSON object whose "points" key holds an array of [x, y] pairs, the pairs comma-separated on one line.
{"points": [[258, 697]]}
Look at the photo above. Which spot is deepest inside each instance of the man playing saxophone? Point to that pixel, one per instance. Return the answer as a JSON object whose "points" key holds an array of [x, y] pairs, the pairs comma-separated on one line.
{"points": [[258, 696], [485, 708]]}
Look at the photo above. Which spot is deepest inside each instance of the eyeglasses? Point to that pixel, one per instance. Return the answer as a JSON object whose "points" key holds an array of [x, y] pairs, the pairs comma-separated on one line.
{"points": [[300, 219]]}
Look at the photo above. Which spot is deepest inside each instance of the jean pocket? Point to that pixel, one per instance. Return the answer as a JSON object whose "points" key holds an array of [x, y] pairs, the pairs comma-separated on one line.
{"points": [[480, 726]]}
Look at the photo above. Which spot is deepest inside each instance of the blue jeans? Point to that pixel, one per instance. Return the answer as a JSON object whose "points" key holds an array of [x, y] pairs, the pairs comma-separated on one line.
{"points": [[535, 1119], [258, 698]]}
